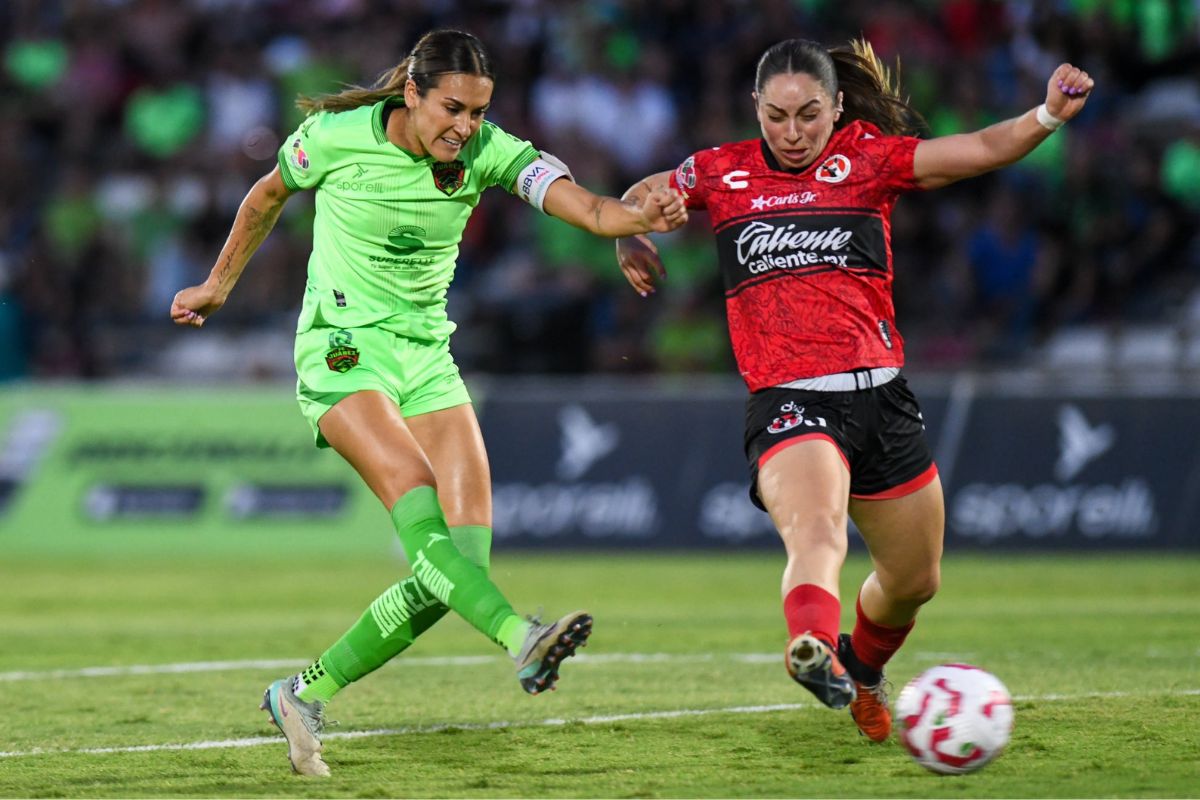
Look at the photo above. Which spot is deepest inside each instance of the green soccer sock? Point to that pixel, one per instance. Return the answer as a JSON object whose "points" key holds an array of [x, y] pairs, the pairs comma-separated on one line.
{"points": [[393, 622], [444, 572]]}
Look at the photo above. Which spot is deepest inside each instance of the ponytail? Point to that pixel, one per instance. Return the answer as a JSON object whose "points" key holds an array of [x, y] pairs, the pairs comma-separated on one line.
{"points": [[871, 92], [439, 52], [389, 84]]}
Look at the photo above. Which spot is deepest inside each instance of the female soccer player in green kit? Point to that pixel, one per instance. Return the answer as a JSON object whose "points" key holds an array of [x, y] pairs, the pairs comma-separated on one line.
{"points": [[397, 170]]}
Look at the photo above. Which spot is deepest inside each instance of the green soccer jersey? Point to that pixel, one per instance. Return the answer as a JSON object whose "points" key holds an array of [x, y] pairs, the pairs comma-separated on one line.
{"points": [[388, 224]]}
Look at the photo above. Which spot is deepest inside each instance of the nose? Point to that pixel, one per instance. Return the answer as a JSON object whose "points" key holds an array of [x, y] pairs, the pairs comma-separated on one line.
{"points": [[462, 126], [792, 134]]}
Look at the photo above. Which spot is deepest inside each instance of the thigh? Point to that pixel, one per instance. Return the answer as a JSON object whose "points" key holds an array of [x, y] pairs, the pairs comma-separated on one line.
{"points": [[904, 534], [334, 363], [451, 439], [805, 488], [367, 430]]}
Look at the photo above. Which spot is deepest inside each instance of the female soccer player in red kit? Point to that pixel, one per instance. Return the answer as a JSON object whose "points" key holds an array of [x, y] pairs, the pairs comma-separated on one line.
{"points": [[802, 222]]}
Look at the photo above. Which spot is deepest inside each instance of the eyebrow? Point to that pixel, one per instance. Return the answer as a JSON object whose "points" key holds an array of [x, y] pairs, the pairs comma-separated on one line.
{"points": [[457, 102], [771, 105]]}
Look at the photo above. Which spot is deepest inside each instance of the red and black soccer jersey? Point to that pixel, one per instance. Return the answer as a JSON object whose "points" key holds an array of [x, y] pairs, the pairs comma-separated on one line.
{"points": [[806, 257]]}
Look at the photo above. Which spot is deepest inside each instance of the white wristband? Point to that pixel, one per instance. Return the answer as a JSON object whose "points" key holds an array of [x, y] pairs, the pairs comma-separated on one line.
{"points": [[1048, 120]]}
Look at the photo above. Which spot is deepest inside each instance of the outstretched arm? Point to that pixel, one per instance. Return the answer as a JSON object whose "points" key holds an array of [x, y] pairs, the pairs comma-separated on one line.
{"points": [[637, 255], [660, 210], [255, 219], [946, 159]]}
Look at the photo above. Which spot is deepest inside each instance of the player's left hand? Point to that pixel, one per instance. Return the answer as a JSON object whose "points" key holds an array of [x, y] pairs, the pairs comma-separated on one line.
{"points": [[640, 263], [664, 210], [1067, 91], [193, 305]]}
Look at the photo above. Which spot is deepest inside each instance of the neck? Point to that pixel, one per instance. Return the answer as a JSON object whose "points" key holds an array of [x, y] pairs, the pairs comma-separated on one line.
{"points": [[401, 133]]}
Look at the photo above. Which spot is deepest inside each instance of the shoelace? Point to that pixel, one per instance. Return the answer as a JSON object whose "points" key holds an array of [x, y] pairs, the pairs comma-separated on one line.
{"points": [[880, 690]]}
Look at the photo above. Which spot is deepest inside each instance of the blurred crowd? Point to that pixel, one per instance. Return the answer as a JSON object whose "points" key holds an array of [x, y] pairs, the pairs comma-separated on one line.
{"points": [[131, 129]]}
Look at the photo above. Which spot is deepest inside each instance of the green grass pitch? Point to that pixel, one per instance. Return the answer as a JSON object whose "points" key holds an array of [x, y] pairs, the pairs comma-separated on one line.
{"points": [[128, 677]]}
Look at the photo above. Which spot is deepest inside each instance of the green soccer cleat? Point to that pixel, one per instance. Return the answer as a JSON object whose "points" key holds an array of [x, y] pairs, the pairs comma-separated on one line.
{"points": [[815, 666], [546, 646], [300, 722]]}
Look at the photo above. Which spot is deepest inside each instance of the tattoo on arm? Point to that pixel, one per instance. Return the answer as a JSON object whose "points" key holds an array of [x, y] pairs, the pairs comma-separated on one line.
{"points": [[599, 206], [634, 195], [225, 269]]}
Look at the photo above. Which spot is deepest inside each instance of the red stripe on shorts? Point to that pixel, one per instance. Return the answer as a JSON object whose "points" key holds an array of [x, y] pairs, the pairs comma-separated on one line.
{"points": [[773, 451], [906, 488]]}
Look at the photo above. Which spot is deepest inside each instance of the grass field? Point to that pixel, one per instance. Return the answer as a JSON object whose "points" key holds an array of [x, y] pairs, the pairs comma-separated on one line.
{"points": [[141, 679]]}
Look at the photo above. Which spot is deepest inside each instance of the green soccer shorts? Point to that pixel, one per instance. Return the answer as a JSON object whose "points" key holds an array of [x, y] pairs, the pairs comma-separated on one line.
{"points": [[332, 363]]}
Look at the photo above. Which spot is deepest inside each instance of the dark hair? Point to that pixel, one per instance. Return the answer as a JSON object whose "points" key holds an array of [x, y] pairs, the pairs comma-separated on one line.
{"points": [[869, 90], [437, 53]]}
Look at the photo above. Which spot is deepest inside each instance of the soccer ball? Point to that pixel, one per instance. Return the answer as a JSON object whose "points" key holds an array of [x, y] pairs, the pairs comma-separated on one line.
{"points": [[954, 718]]}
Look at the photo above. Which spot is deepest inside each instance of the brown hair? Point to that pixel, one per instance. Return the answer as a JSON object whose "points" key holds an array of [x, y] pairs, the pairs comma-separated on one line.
{"points": [[870, 91], [437, 53]]}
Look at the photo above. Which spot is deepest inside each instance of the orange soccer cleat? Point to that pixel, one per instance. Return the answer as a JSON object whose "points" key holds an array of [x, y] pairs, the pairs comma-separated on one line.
{"points": [[870, 706]]}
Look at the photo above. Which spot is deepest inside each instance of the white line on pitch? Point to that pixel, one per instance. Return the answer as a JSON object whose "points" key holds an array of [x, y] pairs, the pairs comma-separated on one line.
{"points": [[418, 661], [602, 719]]}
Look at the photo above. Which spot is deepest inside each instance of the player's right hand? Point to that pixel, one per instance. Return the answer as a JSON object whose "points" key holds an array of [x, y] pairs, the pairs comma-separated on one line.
{"points": [[640, 262], [665, 210], [195, 304]]}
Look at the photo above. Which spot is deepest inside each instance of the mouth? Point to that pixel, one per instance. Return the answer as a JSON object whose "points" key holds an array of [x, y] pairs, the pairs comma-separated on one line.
{"points": [[794, 156], [453, 144]]}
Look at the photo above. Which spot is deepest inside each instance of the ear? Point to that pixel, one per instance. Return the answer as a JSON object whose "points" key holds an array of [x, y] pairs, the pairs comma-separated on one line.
{"points": [[410, 94], [837, 106], [754, 97]]}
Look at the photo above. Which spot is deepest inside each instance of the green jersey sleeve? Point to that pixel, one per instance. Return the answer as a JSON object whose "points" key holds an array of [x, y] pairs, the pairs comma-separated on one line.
{"points": [[304, 156], [502, 156]]}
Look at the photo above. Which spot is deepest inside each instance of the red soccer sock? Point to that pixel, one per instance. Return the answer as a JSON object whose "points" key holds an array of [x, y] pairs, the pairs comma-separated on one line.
{"points": [[808, 607], [875, 644]]}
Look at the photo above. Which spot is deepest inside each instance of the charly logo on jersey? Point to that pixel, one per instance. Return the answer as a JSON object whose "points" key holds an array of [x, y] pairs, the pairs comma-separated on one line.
{"points": [[834, 169], [762, 202], [342, 356], [299, 158], [448, 176], [736, 179], [790, 416], [764, 246]]}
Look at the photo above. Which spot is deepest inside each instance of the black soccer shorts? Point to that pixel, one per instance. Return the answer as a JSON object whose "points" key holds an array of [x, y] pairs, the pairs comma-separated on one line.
{"points": [[879, 432]]}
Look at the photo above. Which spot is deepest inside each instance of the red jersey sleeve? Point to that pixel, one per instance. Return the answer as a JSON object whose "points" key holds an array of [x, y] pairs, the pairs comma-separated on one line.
{"points": [[689, 179], [892, 160]]}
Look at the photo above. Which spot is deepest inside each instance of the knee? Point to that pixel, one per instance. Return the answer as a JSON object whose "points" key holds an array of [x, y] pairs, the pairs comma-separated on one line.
{"points": [[915, 588], [802, 535]]}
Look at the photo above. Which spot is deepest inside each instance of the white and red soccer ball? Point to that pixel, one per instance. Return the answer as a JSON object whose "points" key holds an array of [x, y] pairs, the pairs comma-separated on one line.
{"points": [[955, 718]]}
